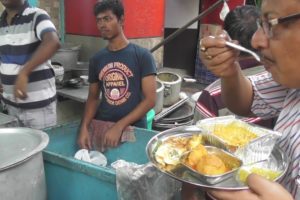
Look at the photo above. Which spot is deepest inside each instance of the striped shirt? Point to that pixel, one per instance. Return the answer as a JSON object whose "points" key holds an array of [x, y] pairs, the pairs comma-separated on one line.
{"points": [[210, 104], [18, 42], [271, 99]]}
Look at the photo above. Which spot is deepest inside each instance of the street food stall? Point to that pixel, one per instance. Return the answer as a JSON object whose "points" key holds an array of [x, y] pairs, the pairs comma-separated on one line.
{"points": [[174, 153]]}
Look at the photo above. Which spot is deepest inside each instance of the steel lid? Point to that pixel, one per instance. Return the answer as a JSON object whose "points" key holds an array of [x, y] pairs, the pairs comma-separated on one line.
{"points": [[180, 114], [19, 144]]}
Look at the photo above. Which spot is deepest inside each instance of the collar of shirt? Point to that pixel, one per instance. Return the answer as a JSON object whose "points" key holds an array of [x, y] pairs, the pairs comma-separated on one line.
{"points": [[4, 14]]}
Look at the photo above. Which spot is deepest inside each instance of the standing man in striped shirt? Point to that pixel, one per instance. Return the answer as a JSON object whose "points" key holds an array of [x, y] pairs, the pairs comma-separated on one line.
{"points": [[274, 93], [28, 39]]}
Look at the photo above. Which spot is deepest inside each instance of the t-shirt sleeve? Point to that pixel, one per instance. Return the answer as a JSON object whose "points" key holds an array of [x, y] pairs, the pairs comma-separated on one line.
{"points": [[148, 64], [43, 24], [93, 77], [268, 96]]}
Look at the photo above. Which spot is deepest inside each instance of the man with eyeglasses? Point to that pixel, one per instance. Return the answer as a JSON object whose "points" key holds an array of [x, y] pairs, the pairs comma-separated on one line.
{"points": [[275, 93]]}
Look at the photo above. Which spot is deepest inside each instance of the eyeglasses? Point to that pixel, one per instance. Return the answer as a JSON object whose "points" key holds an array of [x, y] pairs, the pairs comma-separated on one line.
{"points": [[267, 25]]}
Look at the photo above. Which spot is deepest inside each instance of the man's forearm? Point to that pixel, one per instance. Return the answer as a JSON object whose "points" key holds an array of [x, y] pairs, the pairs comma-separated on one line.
{"points": [[89, 112]]}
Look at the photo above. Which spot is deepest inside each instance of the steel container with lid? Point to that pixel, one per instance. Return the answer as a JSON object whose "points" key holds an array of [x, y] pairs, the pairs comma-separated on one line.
{"points": [[159, 97], [22, 174], [172, 84]]}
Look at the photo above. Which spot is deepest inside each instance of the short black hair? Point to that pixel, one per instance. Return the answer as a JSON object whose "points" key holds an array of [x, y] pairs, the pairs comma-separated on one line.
{"points": [[116, 6], [240, 24]]}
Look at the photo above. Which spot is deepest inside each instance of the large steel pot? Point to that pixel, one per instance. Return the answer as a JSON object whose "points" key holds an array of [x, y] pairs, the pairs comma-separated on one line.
{"points": [[172, 83], [159, 97], [67, 55], [81, 68], [22, 174]]}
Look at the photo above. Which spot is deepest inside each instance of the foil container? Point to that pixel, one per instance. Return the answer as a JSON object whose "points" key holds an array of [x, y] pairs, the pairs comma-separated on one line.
{"points": [[256, 150], [266, 168], [231, 162]]}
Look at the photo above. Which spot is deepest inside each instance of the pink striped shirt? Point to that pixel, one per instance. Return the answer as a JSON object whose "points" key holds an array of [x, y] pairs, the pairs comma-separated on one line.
{"points": [[210, 104], [270, 100]]}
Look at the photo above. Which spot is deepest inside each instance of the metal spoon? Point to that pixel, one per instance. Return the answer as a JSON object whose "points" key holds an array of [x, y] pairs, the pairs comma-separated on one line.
{"points": [[236, 46]]}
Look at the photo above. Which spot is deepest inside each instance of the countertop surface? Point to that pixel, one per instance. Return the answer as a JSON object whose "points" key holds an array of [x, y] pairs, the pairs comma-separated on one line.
{"points": [[81, 94], [77, 94]]}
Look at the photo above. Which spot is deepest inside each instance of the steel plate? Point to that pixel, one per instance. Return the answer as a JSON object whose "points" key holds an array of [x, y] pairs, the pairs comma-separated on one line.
{"points": [[181, 114], [277, 160]]}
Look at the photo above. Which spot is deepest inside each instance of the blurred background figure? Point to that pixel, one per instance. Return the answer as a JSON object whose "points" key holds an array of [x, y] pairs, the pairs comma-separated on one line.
{"points": [[240, 24], [27, 76]]}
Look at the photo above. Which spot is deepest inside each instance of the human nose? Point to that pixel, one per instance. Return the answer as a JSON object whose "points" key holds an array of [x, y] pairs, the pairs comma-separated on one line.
{"points": [[100, 23], [259, 39]]}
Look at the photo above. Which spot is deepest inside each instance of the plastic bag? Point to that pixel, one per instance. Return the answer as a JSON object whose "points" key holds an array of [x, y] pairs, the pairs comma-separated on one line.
{"points": [[94, 157], [143, 182]]}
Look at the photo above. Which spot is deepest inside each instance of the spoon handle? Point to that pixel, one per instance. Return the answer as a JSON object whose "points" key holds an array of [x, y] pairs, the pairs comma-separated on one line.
{"points": [[239, 47], [235, 46]]}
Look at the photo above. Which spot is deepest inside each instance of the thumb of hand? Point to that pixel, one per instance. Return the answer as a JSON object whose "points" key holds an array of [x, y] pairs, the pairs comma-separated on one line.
{"points": [[266, 189]]}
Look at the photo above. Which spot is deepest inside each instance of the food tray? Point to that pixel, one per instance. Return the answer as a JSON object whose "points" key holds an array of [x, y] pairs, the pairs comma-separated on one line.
{"points": [[255, 149], [277, 160], [210, 124]]}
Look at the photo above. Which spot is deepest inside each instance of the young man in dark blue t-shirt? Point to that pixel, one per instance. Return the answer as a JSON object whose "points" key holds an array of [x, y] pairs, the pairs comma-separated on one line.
{"points": [[123, 73]]}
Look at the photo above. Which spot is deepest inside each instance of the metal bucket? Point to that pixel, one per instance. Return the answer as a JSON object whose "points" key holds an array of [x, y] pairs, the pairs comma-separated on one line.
{"points": [[22, 174], [159, 97], [172, 83]]}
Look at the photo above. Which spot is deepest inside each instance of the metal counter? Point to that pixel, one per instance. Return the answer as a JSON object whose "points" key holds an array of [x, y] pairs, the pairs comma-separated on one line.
{"points": [[77, 94]]}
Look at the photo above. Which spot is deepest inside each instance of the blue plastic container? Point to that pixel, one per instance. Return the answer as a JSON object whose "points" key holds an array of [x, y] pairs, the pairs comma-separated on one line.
{"points": [[150, 117], [71, 179]]}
